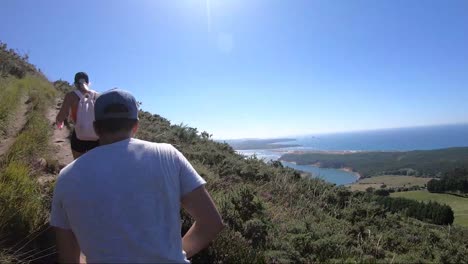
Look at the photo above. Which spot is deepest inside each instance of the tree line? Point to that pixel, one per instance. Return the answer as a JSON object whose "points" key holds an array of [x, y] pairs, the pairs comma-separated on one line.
{"points": [[454, 181], [433, 212]]}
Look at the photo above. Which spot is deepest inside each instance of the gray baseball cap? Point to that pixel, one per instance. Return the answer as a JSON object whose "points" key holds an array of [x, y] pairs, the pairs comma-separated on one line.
{"points": [[115, 103]]}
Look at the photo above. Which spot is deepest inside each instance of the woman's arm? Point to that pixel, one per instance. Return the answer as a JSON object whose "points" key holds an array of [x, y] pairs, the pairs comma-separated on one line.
{"points": [[65, 109]]}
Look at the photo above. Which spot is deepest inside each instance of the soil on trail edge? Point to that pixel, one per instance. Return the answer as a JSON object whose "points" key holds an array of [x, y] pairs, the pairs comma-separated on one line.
{"points": [[60, 139], [61, 152], [17, 122]]}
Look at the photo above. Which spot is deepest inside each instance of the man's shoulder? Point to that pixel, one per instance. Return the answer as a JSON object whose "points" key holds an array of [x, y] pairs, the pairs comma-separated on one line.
{"points": [[67, 169], [156, 148], [164, 146], [66, 173]]}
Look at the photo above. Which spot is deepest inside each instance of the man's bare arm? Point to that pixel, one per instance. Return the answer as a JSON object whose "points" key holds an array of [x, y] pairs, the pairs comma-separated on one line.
{"points": [[65, 109], [68, 249], [208, 222]]}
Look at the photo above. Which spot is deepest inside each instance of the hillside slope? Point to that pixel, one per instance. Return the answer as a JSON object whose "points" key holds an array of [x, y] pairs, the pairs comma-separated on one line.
{"points": [[273, 214]]}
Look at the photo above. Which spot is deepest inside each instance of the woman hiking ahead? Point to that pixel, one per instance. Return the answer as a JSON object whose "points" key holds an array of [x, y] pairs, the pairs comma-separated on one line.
{"points": [[79, 105]]}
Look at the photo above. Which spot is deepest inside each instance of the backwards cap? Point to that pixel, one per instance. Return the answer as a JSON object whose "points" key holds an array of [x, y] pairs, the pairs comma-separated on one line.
{"points": [[115, 103]]}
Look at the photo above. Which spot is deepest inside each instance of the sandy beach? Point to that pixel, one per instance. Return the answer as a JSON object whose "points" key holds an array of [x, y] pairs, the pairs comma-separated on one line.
{"points": [[350, 170]]}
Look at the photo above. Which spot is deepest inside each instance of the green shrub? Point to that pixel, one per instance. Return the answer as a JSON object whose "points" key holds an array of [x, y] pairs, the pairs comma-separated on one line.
{"points": [[32, 143], [11, 63], [256, 231], [10, 94], [230, 247], [20, 200], [23, 207]]}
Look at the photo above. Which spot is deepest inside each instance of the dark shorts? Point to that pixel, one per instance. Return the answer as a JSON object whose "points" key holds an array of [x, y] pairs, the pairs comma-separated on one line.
{"points": [[81, 145]]}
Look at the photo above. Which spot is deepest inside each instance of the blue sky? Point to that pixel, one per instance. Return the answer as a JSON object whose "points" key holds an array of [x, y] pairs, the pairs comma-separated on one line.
{"points": [[259, 68]]}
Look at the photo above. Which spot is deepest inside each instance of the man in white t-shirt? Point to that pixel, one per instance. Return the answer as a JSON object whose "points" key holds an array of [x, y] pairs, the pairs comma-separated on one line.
{"points": [[120, 202]]}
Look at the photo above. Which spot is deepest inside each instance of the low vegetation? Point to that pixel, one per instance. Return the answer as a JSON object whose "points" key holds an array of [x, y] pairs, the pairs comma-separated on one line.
{"points": [[14, 64], [11, 91], [274, 215], [455, 182], [432, 212], [24, 208], [23, 202], [458, 204], [420, 163]]}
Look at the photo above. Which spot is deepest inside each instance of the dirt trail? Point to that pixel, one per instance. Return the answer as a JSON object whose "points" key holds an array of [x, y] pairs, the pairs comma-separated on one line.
{"points": [[61, 153], [60, 139], [17, 122]]}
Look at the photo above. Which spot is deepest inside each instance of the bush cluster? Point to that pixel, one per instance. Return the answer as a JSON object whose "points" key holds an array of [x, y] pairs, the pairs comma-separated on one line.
{"points": [[433, 212], [13, 64], [455, 181]]}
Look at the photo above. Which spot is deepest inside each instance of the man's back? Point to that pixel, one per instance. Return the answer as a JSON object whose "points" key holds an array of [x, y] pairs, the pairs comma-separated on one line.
{"points": [[122, 201]]}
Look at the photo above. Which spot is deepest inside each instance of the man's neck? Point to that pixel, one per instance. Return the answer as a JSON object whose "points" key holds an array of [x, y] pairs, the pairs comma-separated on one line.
{"points": [[109, 139]]}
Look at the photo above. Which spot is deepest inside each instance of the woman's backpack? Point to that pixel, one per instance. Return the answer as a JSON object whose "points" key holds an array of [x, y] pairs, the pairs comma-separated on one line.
{"points": [[85, 116]]}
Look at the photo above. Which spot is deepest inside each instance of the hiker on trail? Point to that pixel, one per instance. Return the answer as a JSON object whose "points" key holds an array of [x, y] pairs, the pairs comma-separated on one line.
{"points": [[79, 105], [120, 203]]}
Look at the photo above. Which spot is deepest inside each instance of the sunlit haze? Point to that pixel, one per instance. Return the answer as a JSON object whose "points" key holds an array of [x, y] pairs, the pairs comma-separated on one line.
{"points": [[259, 69]]}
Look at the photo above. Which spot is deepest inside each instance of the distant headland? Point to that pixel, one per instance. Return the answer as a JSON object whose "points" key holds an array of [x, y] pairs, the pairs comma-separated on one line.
{"points": [[276, 143]]}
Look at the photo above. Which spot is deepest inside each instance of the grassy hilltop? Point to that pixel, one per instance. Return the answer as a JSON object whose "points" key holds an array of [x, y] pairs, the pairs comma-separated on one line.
{"points": [[273, 215]]}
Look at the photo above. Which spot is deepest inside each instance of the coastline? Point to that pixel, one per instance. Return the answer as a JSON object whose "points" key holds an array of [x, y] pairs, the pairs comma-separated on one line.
{"points": [[319, 165], [340, 152], [350, 170]]}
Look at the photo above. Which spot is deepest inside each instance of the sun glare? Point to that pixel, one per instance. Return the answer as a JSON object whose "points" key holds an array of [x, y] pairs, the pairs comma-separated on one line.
{"points": [[208, 14]]}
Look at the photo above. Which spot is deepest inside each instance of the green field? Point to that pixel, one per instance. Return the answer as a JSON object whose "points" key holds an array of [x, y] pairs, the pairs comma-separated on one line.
{"points": [[458, 204], [391, 181]]}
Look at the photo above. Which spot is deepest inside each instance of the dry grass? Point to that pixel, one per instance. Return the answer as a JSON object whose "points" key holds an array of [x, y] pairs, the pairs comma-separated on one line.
{"points": [[23, 210], [10, 94], [391, 181]]}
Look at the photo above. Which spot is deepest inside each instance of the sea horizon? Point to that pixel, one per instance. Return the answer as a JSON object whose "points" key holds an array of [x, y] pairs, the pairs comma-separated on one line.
{"points": [[394, 139], [404, 139]]}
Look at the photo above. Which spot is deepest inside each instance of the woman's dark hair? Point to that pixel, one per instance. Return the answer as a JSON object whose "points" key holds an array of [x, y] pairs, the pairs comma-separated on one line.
{"points": [[81, 75]]}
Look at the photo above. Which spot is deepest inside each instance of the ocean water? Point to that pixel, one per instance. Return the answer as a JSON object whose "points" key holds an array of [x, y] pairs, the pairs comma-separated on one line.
{"points": [[331, 175], [402, 139]]}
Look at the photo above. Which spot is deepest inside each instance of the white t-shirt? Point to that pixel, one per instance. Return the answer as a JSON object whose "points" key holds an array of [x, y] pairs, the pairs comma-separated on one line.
{"points": [[122, 202]]}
